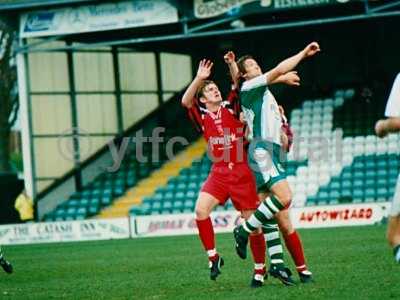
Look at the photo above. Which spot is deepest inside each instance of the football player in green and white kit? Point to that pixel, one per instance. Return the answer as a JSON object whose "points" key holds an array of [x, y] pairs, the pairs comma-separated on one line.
{"points": [[266, 154]]}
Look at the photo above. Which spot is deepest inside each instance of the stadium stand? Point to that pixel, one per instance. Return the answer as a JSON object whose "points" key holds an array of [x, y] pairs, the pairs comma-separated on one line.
{"points": [[110, 186]]}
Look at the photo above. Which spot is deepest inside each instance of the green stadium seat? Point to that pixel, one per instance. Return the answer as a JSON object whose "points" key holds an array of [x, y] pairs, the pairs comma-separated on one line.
{"points": [[393, 172], [191, 195], [84, 202], [358, 166], [357, 195], [334, 201], [358, 175], [178, 205], [323, 198], [347, 184], [180, 196], [381, 182], [93, 209], [335, 185], [170, 187], [392, 180], [370, 175], [167, 205], [60, 212], [382, 193], [188, 204], [181, 187], [156, 206], [370, 182], [106, 200], [347, 175], [73, 203], [183, 178], [334, 196], [169, 196], [370, 194], [71, 212], [192, 186], [158, 197], [358, 183], [381, 173]]}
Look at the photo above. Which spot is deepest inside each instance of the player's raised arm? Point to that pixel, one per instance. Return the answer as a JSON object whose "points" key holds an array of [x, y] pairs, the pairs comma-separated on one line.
{"points": [[203, 72], [386, 126], [229, 59], [290, 78], [290, 63]]}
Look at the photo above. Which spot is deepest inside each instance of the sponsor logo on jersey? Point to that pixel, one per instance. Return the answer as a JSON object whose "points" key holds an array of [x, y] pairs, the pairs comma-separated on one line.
{"points": [[225, 140]]}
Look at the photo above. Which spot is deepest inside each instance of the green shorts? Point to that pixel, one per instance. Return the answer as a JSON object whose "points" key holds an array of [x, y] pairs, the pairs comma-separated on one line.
{"points": [[267, 162]]}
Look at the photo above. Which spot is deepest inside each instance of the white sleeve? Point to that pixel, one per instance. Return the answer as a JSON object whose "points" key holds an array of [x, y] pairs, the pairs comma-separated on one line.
{"points": [[255, 82], [393, 104]]}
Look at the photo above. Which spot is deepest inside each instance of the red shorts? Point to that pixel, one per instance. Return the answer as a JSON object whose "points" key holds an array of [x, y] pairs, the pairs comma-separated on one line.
{"points": [[237, 183]]}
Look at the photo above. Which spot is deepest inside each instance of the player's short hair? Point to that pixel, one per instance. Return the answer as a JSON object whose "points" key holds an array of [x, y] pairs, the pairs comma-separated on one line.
{"points": [[201, 88], [241, 62]]}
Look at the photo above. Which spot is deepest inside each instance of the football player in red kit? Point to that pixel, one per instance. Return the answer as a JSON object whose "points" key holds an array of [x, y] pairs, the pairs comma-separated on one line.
{"points": [[230, 176]]}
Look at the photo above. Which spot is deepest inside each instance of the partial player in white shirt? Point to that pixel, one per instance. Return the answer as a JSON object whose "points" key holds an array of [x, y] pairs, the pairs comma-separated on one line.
{"points": [[382, 128]]}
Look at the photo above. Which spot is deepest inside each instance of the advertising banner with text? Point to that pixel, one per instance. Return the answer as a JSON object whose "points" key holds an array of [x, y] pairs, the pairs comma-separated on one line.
{"points": [[67, 231], [97, 17], [225, 221], [203, 9]]}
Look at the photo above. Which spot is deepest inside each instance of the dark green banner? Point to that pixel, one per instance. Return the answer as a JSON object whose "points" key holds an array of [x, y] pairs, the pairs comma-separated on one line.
{"points": [[203, 9]]}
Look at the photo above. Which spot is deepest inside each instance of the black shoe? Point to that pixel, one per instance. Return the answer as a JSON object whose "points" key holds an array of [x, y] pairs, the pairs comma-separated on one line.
{"points": [[306, 276], [215, 268], [7, 267], [258, 280], [241, 243], [283, 274]]}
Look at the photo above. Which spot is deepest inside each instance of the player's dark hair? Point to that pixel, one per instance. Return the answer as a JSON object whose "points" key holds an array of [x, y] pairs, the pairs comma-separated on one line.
{"points": [[241, 62], [203, 85]]}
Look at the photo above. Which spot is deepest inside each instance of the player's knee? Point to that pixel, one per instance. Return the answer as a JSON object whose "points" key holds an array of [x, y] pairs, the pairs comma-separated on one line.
{"points": [[201, 213], [285, 225], [286, 197]]}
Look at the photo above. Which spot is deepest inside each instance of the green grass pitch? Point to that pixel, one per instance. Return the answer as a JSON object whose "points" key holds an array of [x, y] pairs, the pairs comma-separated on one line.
{"points": [[348, 263]]}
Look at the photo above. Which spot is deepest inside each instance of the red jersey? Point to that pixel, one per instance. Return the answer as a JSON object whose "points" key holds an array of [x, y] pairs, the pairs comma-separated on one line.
{"points": [[222, 130]]}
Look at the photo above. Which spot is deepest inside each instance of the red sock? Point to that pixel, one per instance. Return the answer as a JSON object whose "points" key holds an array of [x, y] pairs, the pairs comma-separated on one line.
{"points": [[293, 244], [206, 233], [258, 248]]}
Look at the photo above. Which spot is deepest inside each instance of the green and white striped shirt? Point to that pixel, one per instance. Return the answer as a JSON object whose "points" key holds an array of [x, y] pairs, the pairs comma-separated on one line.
{"points": [[261, 110]]}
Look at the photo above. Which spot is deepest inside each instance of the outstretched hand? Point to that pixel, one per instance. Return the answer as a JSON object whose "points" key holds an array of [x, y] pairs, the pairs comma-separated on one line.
{"points": [[204, 70], [311, 49], [292, 78], [229, 57]]}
